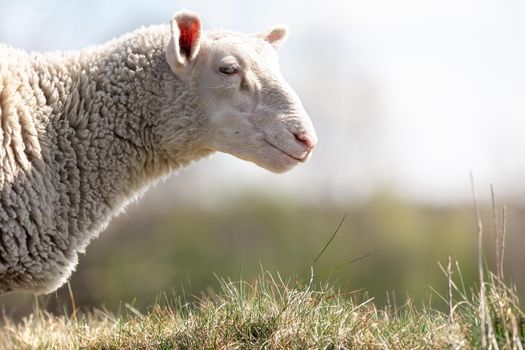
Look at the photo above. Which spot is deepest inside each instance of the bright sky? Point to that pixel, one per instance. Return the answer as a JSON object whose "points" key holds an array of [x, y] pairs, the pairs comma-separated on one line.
{"points": [[409, 94]]}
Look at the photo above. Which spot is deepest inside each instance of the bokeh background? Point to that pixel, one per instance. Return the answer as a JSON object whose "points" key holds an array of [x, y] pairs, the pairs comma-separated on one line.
{"points": [[407, 98]]}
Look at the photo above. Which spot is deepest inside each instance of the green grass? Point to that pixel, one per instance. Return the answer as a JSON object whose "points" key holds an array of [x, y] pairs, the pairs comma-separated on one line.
{"points": [[273, 314]]}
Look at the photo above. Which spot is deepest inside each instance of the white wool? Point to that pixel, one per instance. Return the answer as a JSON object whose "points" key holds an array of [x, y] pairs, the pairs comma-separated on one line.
{"points": [[82, 133]]}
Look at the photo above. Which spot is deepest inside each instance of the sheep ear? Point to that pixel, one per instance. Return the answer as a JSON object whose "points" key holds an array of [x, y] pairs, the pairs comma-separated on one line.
{"points": [[185, 41], [276, 35]]}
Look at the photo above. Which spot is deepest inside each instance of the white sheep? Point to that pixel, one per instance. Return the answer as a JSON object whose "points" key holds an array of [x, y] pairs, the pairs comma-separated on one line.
{"points": [[82, 133]]}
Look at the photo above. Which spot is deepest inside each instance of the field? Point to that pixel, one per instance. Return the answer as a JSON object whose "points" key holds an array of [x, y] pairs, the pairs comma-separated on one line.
{"points": [[311, 309], [274, 314]]}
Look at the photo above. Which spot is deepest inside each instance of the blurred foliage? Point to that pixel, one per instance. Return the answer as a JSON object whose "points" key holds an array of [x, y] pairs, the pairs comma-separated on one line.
{"points": [[183, 249]]}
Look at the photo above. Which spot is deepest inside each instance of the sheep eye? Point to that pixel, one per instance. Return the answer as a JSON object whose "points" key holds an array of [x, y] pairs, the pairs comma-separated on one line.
{"points": [[230, 69]]}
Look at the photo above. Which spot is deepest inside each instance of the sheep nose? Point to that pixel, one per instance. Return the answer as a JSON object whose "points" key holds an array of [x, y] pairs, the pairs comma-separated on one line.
{"points": [[306, 140]]}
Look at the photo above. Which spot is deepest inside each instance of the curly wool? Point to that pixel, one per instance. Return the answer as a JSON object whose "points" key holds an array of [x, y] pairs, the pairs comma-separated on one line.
{"points": [[80, 135]]}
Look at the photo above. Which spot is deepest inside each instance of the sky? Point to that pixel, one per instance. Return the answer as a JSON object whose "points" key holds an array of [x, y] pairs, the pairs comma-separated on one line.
{"points": [[409, 95]]}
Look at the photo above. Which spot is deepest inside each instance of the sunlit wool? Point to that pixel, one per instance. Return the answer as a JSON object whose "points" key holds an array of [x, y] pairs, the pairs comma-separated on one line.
{"points": [[83, 133]]}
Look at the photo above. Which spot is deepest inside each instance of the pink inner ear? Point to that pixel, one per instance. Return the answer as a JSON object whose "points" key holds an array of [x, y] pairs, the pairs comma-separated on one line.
{"points": [[274, 36], [189, 32]]}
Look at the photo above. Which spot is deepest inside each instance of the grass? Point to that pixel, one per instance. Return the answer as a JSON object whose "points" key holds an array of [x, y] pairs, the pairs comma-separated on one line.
{"points": [[274, 313]]}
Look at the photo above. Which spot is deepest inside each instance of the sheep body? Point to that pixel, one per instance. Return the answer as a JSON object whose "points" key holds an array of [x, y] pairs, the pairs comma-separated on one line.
{"points": [[75, 148]]}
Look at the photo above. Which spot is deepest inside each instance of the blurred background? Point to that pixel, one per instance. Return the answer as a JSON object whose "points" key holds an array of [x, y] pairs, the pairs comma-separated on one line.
{"points": [[407, 98]]}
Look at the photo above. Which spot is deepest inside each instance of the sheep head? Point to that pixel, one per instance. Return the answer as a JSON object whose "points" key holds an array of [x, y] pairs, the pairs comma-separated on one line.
{"points": [[250, 111]]}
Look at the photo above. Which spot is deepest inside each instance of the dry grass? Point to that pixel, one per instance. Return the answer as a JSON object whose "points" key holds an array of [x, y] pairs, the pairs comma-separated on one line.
{"points": [[271, 313], [274, 314]]}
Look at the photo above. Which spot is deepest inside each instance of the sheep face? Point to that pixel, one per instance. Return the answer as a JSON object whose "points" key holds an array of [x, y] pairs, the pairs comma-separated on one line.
{"points": [[250, 111]]}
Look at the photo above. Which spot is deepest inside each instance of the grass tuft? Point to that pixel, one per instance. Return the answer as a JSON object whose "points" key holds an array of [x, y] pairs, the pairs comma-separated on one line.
{"points": [[269, 313]]}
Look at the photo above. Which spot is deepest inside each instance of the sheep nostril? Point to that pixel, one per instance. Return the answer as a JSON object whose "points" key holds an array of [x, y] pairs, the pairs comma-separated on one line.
{"points": [[306, 140]]}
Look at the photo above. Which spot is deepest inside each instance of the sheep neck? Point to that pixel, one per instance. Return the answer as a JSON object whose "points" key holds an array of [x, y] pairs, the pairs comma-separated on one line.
{"points": [[84, 134], [110, 144]]}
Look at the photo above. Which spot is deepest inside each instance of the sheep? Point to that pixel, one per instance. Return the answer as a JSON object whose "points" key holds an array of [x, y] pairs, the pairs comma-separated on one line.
{"points": [[83, 133]]}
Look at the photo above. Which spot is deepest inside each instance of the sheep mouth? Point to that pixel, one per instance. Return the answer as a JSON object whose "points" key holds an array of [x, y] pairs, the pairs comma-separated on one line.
{"points": [[302, 160]]}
